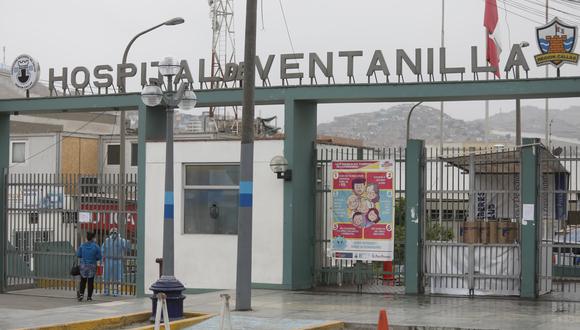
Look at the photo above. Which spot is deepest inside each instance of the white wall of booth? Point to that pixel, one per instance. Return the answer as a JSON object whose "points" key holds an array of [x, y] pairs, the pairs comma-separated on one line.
{"points": [[208, 261]]}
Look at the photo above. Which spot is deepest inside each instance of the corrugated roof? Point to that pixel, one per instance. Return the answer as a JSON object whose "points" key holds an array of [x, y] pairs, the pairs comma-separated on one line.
{"points": [[504, 162], [18, 127]]}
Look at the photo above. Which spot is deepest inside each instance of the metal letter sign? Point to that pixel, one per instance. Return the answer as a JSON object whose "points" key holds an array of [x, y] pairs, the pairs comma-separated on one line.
{"points": [[556, 41], [363, 226], [25, 72]]}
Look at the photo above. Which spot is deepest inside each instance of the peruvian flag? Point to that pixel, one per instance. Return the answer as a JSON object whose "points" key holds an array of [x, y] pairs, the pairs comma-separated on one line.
{"points": [[490, 19]]}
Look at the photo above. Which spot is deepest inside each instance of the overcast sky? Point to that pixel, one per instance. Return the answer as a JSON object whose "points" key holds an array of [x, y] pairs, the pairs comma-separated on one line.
{"points": [[87, 33]]}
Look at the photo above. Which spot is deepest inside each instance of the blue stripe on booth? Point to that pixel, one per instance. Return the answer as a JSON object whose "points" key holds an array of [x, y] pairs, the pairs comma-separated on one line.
{"points": [[246, 187], [245, 200], [168, 212]]}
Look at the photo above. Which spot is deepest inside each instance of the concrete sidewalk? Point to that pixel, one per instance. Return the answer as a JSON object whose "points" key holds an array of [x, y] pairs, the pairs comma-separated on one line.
{"points": [[31, 309]]}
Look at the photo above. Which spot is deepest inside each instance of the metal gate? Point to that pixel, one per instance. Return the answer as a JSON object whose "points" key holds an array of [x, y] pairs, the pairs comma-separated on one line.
{"points": [[471, 229], [332, 274], [559, 248], [48, 217]]}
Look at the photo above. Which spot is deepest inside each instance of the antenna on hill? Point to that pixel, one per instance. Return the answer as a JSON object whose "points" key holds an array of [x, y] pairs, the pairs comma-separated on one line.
{"points": [[4, 55]]}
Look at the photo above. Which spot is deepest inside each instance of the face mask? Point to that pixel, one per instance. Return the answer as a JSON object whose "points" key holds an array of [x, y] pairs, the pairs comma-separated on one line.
{"points": [[114, 235]]}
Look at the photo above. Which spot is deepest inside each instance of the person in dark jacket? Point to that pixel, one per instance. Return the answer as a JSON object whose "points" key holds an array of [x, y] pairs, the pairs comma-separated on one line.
{"points": [[89, 253]]}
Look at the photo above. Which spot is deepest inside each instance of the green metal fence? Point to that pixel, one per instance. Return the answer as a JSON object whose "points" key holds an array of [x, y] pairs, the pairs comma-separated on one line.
{"points": [[48, 217], [332, 274], [559, 232], [471, 242]]}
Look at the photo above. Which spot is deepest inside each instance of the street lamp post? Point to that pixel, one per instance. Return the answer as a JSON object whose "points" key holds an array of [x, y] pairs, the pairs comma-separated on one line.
{"points": [[185, 99], [122, 128], [409, 121]]}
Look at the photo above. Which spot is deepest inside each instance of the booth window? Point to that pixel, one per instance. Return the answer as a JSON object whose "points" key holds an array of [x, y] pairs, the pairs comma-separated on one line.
{"points": [[113, 154], [18, 152], [211, 199]]}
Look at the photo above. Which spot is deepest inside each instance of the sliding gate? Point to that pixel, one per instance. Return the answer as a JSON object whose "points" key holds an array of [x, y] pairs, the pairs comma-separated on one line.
{"points": [[559, 238], [332, 274], [48, 217], [471, 227]]}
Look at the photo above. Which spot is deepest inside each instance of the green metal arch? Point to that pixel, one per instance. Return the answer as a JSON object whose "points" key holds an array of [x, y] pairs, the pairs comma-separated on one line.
{"points": [[300, 110], [339, 93]]}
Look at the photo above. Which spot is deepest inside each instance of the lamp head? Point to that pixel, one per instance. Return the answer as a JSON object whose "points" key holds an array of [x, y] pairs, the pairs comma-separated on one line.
{"points": [[278, 164], [169, 66], [174, 21], [188, 101], [151, 95]]}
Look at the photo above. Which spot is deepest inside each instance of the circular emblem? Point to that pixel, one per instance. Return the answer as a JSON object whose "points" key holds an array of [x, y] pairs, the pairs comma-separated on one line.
{"points": [[25, 72]]}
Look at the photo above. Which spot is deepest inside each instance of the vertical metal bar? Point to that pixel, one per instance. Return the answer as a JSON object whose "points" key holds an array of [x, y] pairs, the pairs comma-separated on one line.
{"points": [[51, 226], [26, 233], [10, 216], [110, 210], [70, 222], [35, 229], [73, 204], [26, 222], [16, 226], [31, 227], [44, 224], [57, 180], [327, 261], [71, 232], [75, 227], [57, 217], [23, 232], [575, 187], [13, 220], [75, 191], [18, 239], [42, 212], [21, 266], [5, 229], [65, 225]]}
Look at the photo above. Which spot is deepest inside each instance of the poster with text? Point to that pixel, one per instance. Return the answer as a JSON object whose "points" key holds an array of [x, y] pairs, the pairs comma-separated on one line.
{"points": [[363, 210]]}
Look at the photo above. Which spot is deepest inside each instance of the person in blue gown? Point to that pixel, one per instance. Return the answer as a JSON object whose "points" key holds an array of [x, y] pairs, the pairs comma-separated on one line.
{"points": [[113, 250]]}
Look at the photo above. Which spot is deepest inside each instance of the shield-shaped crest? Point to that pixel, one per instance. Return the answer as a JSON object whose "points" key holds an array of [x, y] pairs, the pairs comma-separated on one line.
{"points": [[556, 41]]}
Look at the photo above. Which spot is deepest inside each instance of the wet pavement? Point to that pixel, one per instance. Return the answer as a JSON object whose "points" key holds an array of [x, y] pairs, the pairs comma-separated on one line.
{"points": [[33, 308], [256, 323]]}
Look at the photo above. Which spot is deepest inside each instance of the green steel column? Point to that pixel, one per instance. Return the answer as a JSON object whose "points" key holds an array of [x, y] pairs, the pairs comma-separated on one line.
{"points": [[299, 205], [4, 163], [529, 196], [413, 215], [152, 120]]}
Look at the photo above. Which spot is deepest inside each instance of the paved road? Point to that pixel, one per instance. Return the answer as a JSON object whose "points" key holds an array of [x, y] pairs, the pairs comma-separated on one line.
{"points": [[31, 308]]}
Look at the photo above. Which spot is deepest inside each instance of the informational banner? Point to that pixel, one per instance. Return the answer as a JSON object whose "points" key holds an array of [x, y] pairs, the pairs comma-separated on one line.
{"points": [[363, 226], [35, 197], [560, 203]]}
